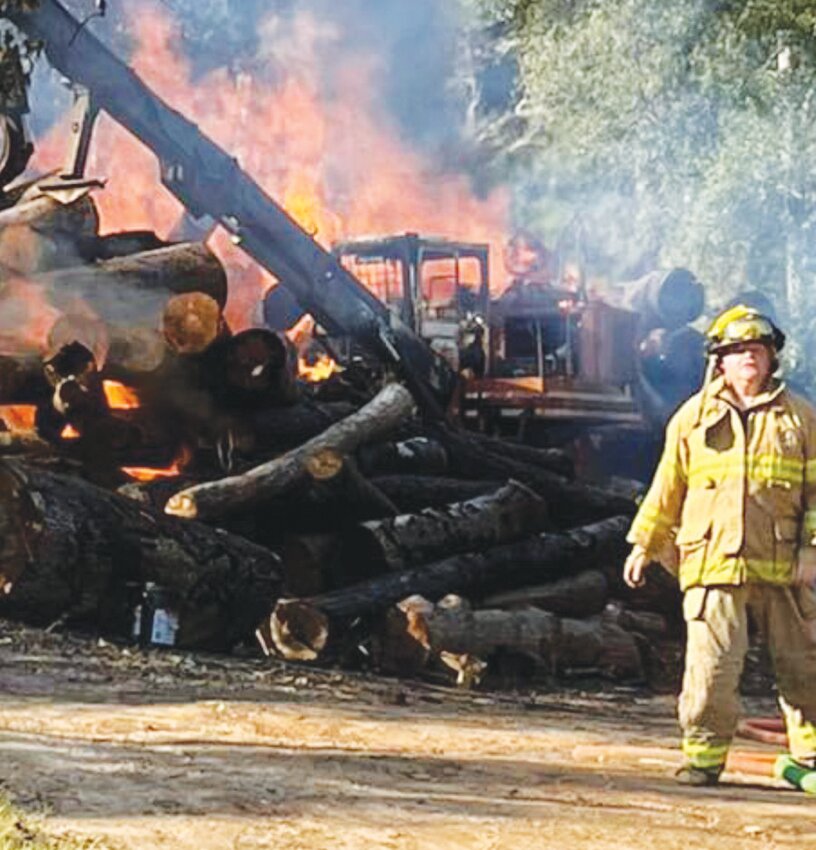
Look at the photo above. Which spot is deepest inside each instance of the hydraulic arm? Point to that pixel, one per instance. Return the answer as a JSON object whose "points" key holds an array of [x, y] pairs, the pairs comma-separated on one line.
{"points": [[210, 182]]}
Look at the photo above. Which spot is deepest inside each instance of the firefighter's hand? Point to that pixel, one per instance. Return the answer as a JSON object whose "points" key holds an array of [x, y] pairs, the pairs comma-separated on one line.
{"points": [[806, 566], [634, 570]]}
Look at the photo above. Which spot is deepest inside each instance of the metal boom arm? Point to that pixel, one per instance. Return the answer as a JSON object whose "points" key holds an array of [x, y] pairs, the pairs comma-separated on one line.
{"points": [[209, 181]]}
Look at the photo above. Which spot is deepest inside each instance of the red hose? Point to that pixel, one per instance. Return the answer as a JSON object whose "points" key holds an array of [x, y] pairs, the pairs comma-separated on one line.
{"points": [[768, 730]]}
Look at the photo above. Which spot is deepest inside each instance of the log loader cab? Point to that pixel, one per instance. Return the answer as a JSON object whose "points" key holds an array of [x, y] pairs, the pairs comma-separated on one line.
{"points": [[438, 287]]}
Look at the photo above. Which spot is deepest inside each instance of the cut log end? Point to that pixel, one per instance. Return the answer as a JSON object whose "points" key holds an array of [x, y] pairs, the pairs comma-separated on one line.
{"points": [[182, 505], [298, 630]]}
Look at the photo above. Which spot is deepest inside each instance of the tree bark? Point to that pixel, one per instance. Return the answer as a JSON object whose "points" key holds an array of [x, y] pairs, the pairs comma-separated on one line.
{"points": [[70, 550], [580, 595], [397, 543], [214, 499], [303, 628], [414, 493]]}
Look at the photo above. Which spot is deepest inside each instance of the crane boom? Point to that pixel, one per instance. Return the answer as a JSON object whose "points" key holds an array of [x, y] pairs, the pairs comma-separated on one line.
{"points": [[208, 181]]}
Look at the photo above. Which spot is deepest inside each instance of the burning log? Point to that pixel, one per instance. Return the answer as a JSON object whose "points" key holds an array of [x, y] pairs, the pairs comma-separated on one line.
{"points": [[135, 288], [303, 628], [414, 493], [71, 550], [214, 499], [580, 595], [570, 501], [253, 369], [511, 512]]}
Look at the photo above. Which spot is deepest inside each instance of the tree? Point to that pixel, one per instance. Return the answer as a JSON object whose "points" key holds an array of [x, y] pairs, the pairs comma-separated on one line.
{"points": [[681, 133]]}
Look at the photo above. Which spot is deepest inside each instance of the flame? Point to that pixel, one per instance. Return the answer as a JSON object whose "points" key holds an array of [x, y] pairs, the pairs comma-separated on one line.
{"points": [[325, 150], [69, 433], [146, 473], [18, 417], [322, 369], [119, 396]]}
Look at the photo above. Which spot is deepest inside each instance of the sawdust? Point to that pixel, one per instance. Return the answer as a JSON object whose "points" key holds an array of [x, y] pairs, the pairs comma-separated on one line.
{"points": [[167, 750]]}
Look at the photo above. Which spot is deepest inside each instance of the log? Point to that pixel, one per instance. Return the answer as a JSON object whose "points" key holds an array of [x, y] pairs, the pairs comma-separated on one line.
{"points": [[311, 564], [209, 501], [580, 595], [304, 628], [413, 493], [417, 456], [520, 645], [40, 234], [396, 543], [135, 289], [191, 322], [71, 550], [252, 370], [570, 502], [552, 460]]}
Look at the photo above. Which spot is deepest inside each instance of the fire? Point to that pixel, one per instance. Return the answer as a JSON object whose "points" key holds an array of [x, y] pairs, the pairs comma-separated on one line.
{"points": [[69, 433], [324, 368], [119, 396], [18, 417], [146, 473], [314, 137]]}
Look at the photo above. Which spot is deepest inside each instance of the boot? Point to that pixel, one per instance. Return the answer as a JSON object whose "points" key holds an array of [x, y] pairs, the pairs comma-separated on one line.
{"points": [[698, 777]]}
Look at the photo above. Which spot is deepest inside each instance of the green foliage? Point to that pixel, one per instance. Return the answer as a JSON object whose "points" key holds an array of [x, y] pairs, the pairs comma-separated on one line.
{"points": [[680, 133]]}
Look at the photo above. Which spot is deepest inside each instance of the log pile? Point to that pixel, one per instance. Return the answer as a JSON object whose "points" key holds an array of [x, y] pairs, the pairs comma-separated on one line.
{"points": [[337, 527]]}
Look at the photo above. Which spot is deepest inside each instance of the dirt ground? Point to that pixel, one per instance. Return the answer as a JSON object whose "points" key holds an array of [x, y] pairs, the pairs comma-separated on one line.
{"points": [[159, 749]]}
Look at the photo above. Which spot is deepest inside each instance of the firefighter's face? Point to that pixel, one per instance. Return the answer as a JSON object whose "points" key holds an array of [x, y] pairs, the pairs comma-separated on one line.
{"points": [[746, 363]]}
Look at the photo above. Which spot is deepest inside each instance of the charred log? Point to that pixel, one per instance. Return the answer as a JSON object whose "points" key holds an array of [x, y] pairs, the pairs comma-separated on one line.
{"points": [[303, 628], [413, 493], [417, 456], [570, 502], [580, 595], [511, 512], [70, 551], [207, 501]]}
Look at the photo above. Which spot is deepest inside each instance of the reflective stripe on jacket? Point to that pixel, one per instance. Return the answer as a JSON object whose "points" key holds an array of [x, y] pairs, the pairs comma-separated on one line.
{"points": [[735, 491]]}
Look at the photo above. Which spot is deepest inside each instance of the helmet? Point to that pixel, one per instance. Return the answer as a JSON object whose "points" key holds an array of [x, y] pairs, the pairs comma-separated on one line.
{"points": [[742, 324]]}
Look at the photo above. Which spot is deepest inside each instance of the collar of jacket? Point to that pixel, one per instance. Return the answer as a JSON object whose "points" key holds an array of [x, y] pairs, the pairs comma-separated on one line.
{"points": [[720, 397]]}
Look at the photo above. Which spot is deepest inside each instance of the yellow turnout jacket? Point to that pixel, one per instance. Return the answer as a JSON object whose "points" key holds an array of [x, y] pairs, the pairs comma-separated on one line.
{"points": [[735, 491]]}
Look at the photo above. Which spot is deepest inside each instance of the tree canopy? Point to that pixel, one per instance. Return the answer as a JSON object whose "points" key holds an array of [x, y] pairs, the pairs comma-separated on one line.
{"points": [[681, 133]]}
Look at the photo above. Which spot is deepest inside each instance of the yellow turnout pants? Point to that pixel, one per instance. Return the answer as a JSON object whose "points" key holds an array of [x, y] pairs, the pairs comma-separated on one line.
{"points": [[717, 622]]}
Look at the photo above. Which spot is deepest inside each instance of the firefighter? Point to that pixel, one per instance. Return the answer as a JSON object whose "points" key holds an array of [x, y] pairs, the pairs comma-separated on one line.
{"points": [[732, 511]]}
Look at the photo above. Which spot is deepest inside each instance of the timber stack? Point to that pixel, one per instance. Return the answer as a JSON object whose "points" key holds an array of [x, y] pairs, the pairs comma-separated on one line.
{"points": [[147, 444]]}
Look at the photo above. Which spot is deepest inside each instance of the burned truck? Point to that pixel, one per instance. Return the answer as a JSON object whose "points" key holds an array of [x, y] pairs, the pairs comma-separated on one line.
{"points": [[540, 357]]}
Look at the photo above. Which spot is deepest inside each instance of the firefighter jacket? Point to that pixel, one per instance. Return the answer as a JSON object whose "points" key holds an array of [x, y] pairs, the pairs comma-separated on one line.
{"points": [[735, 491]]}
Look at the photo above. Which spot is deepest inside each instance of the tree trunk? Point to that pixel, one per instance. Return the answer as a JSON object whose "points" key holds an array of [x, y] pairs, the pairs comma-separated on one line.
{"points": [[302, 628], [511, 512], [414, 493], [580, 595], [70, 550], [275, 478]]}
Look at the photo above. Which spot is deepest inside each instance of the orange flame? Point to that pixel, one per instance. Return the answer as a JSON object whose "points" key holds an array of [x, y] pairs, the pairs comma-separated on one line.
{"points": [[324, 368], [336, 162], [69, 433], [18, 417], [119, 396], [146, 473]]}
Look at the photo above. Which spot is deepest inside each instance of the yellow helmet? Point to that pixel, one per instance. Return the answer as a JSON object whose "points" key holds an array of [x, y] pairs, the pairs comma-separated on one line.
{"points": [[740, 324]]}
